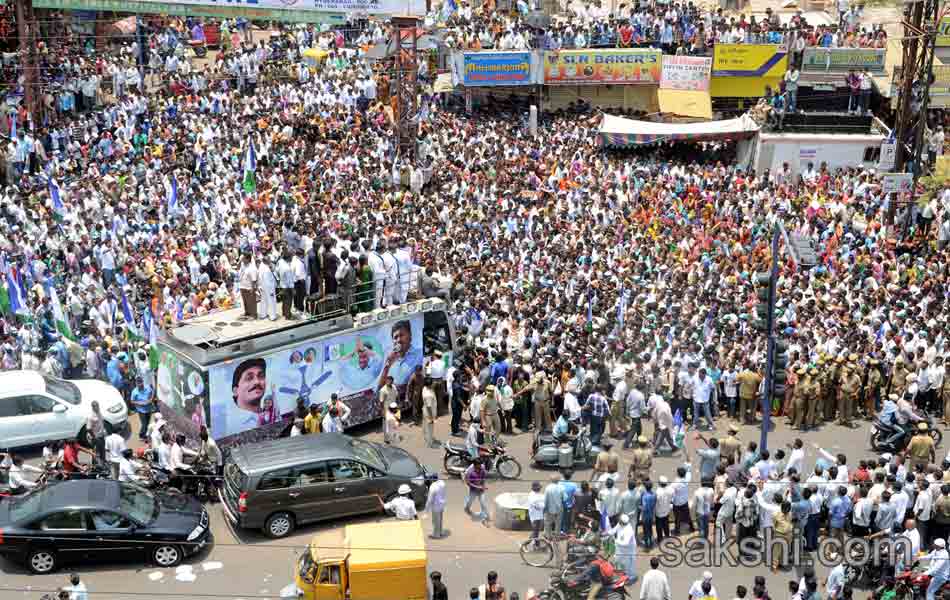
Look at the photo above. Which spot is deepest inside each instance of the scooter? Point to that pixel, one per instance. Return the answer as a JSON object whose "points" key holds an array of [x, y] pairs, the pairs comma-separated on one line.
{"points": [[546, 451], [457, 460]]}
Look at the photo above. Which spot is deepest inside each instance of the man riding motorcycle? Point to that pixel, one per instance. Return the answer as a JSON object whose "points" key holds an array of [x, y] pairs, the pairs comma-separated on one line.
{"points": [[898, 413], [598, 573]]}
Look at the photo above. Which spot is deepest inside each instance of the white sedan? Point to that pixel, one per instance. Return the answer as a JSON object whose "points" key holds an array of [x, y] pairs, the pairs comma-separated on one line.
{"points": [[35, 408]]}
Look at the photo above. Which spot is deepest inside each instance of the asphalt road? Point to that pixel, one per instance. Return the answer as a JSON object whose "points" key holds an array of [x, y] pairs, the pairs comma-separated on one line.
{"points": [[246, 564]]}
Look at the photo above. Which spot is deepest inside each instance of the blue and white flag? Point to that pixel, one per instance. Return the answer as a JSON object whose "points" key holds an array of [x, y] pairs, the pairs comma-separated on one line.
{"points": [[679, 429], [250, 169], [58, 209], [15, 293], [173, 194], [129, 316]]}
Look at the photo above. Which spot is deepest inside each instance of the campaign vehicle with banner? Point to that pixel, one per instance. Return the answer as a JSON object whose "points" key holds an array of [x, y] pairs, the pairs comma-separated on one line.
{"points": [[612, 67], [244, 380]]}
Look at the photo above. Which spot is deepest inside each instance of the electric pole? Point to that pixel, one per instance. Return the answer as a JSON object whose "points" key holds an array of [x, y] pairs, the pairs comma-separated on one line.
{"points": [[920, 35], [406, 82]]}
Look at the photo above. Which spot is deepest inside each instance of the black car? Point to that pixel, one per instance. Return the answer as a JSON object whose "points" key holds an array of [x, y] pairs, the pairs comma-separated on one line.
{"points": [[99, 519], [279, 484]]}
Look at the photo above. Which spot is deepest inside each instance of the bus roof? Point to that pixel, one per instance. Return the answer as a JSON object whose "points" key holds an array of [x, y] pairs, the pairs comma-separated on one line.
{"points": [[223, 335]]}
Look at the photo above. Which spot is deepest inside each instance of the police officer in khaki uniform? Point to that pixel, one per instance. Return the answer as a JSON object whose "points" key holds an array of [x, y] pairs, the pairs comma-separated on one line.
{"points": [[641, 462], [848, 390], [899, 376], [799, 411], [813, 395], [830, 386], [872, 390], [730, 446], [921, 449]]}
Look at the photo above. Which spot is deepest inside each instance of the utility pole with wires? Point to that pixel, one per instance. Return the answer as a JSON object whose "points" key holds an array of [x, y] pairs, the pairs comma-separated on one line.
{"points": [[405, 80], [26, 33], [921, 20]]}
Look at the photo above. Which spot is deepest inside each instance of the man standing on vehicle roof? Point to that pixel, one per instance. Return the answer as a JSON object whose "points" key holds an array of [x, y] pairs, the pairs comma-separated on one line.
{"points": [[247, 282], [401, 363]]}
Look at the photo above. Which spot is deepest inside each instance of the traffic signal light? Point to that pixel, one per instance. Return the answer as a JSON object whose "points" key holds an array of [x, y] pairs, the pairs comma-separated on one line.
{"points": [[763, 291], [779, 364]]}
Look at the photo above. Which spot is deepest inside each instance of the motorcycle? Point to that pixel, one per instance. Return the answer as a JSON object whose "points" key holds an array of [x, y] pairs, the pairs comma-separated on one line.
{"points": [[868, 574], [563, 586], [202, 482], [912, 585], [547, 452], [497, 459], [881, 433]]}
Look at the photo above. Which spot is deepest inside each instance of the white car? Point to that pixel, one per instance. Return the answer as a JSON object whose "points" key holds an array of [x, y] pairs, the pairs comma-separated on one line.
{"points": [[35, 408]]}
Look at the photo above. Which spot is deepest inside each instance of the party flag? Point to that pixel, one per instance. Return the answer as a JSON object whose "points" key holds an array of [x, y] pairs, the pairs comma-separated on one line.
{"points": [[173, 194], [59, 315], [131, 328], [250, 168], [58, 209]]}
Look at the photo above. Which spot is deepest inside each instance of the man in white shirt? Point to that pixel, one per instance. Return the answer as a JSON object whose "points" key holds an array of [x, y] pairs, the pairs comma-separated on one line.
{"points": [[127, 467], [247, 283], [635, 401], [16, 474], [115, 445], [626, 540], [435, 504], [655, 584], [796, 457], [938, 569], [402, 506], [835, 582], [696, 590], [333, 420], [702, 392]]}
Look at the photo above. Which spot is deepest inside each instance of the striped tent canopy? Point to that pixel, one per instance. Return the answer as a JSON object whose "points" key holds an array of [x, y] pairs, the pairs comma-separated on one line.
{"points": [[618, 132]]}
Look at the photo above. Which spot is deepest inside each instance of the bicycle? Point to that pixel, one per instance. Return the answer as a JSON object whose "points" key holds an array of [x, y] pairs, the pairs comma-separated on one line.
{"points": [[540, 551]]}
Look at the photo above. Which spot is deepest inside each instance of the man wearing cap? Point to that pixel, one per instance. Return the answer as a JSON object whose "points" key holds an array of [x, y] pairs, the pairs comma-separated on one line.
{"points": [[749, 382], [796, 414], [626, 543], [403, 506], [899, 375], [696, 590], [641, 461], [921, 449], [938, 568], [848, 391], [872, 389], [730, 446], [829, 387]]}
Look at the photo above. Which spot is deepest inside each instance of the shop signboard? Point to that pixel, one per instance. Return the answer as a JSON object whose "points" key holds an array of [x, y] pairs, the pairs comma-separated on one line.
{"points": [[597, 67]]}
